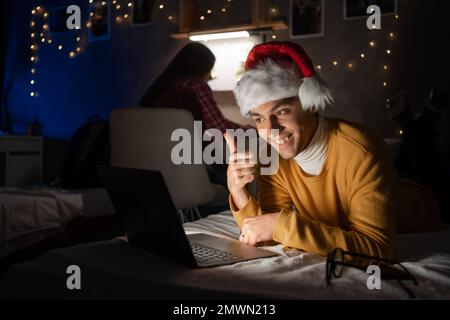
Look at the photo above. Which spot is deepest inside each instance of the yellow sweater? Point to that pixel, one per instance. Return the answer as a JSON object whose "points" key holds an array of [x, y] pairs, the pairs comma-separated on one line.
{"points": [[351, 204]]}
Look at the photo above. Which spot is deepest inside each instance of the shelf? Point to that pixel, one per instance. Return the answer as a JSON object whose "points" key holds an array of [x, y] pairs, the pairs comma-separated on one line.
{"points": [[250, 27]]}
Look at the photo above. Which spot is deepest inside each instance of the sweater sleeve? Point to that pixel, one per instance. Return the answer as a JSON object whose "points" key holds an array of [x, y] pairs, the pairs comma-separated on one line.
{"points": [[273, 197], [371, 217]]}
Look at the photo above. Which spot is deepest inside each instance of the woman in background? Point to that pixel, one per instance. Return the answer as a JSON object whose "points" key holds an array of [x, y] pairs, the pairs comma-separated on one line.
{"points": [[183, 84]]}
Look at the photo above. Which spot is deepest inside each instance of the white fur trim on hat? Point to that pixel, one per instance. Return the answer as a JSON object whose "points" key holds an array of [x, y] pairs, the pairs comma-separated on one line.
{"points": [[271, 81]]}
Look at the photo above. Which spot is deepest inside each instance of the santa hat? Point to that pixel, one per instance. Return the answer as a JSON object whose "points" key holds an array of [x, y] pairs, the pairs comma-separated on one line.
{"points": [[278, 70]]}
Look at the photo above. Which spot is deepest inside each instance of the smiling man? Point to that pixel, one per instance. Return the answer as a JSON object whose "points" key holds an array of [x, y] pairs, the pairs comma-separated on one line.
{"points": [[336, 185]]}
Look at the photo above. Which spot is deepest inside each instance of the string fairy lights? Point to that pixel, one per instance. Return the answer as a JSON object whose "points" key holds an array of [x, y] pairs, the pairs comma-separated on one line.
{"points": [[372, 45], [40, 33], [121, 12]]}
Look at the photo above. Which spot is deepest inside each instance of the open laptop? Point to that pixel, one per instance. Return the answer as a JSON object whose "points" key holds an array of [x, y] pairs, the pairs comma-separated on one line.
{"points": [[150, 221]]}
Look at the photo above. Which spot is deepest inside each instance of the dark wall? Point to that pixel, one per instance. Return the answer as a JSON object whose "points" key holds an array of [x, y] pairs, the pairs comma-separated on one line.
{"points": [[107, 74]]}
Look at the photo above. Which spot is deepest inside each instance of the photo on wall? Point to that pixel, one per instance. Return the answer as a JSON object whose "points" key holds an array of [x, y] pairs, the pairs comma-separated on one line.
{"points": [[357, 9], [142, 11], [100, 21], [306, 18]]}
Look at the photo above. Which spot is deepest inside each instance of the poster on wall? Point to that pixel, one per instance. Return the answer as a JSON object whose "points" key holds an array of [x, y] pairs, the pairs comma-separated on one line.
{"points": [[142, 11], [100, 21], [357, 9], [306, 18]]}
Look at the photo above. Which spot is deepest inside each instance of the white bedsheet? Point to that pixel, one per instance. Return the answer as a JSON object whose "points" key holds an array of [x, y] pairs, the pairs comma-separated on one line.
{"points": [[299, 275]]}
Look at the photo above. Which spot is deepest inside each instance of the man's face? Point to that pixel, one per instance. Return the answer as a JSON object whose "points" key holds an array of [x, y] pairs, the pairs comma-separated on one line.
{"points": [[295, 126]]}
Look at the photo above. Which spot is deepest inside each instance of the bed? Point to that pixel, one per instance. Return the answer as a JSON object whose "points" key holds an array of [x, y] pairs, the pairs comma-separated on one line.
{"points": [[114, 269], [32, 214]]}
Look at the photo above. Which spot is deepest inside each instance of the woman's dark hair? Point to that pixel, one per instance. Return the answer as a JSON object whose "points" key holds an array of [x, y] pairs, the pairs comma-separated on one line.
{"points": [[194, 59]]}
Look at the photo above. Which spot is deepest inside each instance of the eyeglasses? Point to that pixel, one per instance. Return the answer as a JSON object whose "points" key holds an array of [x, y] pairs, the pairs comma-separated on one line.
{"points": [[336, 262]]}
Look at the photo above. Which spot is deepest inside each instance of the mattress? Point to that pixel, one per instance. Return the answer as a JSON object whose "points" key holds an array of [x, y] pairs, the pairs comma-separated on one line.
{"points": [[114, 269]]}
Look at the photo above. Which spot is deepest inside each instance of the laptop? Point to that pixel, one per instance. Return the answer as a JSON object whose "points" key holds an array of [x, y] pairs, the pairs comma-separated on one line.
{"points": [[151, 222]]}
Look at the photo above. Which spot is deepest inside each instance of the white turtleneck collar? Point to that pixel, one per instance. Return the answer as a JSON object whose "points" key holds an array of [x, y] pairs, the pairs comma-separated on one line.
{"points": [[312, 159]]}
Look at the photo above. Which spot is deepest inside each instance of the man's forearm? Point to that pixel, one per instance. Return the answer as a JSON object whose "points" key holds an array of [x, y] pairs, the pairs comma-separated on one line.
{"points": [[240, 198]]}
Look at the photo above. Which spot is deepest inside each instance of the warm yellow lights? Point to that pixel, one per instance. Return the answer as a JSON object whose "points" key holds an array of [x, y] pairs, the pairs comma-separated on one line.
{"points": [[335, 63], [202, 17], [362, 55], [319, 67], [161, 6]]}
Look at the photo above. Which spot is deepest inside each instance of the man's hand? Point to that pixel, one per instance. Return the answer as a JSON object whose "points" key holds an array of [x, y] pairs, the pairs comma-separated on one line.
{"points": [[258, 229], [241, 170]]}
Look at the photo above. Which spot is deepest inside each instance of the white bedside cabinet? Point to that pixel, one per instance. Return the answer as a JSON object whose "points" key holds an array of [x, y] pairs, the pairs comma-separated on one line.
{"points": [[21, 160]]}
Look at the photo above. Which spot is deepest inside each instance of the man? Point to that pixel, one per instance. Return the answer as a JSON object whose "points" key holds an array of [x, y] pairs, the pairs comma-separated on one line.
{"points": [[336, 185]]}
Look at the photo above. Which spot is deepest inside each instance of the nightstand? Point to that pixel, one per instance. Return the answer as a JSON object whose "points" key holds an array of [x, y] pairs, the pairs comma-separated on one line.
{"points": [[20, 160]]}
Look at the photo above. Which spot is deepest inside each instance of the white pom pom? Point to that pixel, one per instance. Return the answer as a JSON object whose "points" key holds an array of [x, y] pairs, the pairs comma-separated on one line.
{"points": [[314, 93]]}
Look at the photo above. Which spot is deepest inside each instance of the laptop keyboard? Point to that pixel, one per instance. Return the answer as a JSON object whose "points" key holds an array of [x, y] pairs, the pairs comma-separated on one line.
{"points": [[208, 255]]}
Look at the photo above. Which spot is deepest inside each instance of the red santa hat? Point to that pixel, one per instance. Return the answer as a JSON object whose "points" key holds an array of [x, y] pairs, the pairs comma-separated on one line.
{"points": [[277, 70]]}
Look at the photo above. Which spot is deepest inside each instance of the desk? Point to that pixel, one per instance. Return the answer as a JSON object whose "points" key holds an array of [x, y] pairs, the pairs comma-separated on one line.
{"points": [[20, 160]]}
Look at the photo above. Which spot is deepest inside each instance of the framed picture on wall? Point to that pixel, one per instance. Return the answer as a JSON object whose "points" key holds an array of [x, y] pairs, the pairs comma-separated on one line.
{"points": [[142, 11], [100, 24], [306, 18], [357, 9]]}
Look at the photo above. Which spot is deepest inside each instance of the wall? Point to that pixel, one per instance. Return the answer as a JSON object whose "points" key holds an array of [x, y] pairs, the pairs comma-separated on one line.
{"points": [[108, 74], [114, 73]]}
